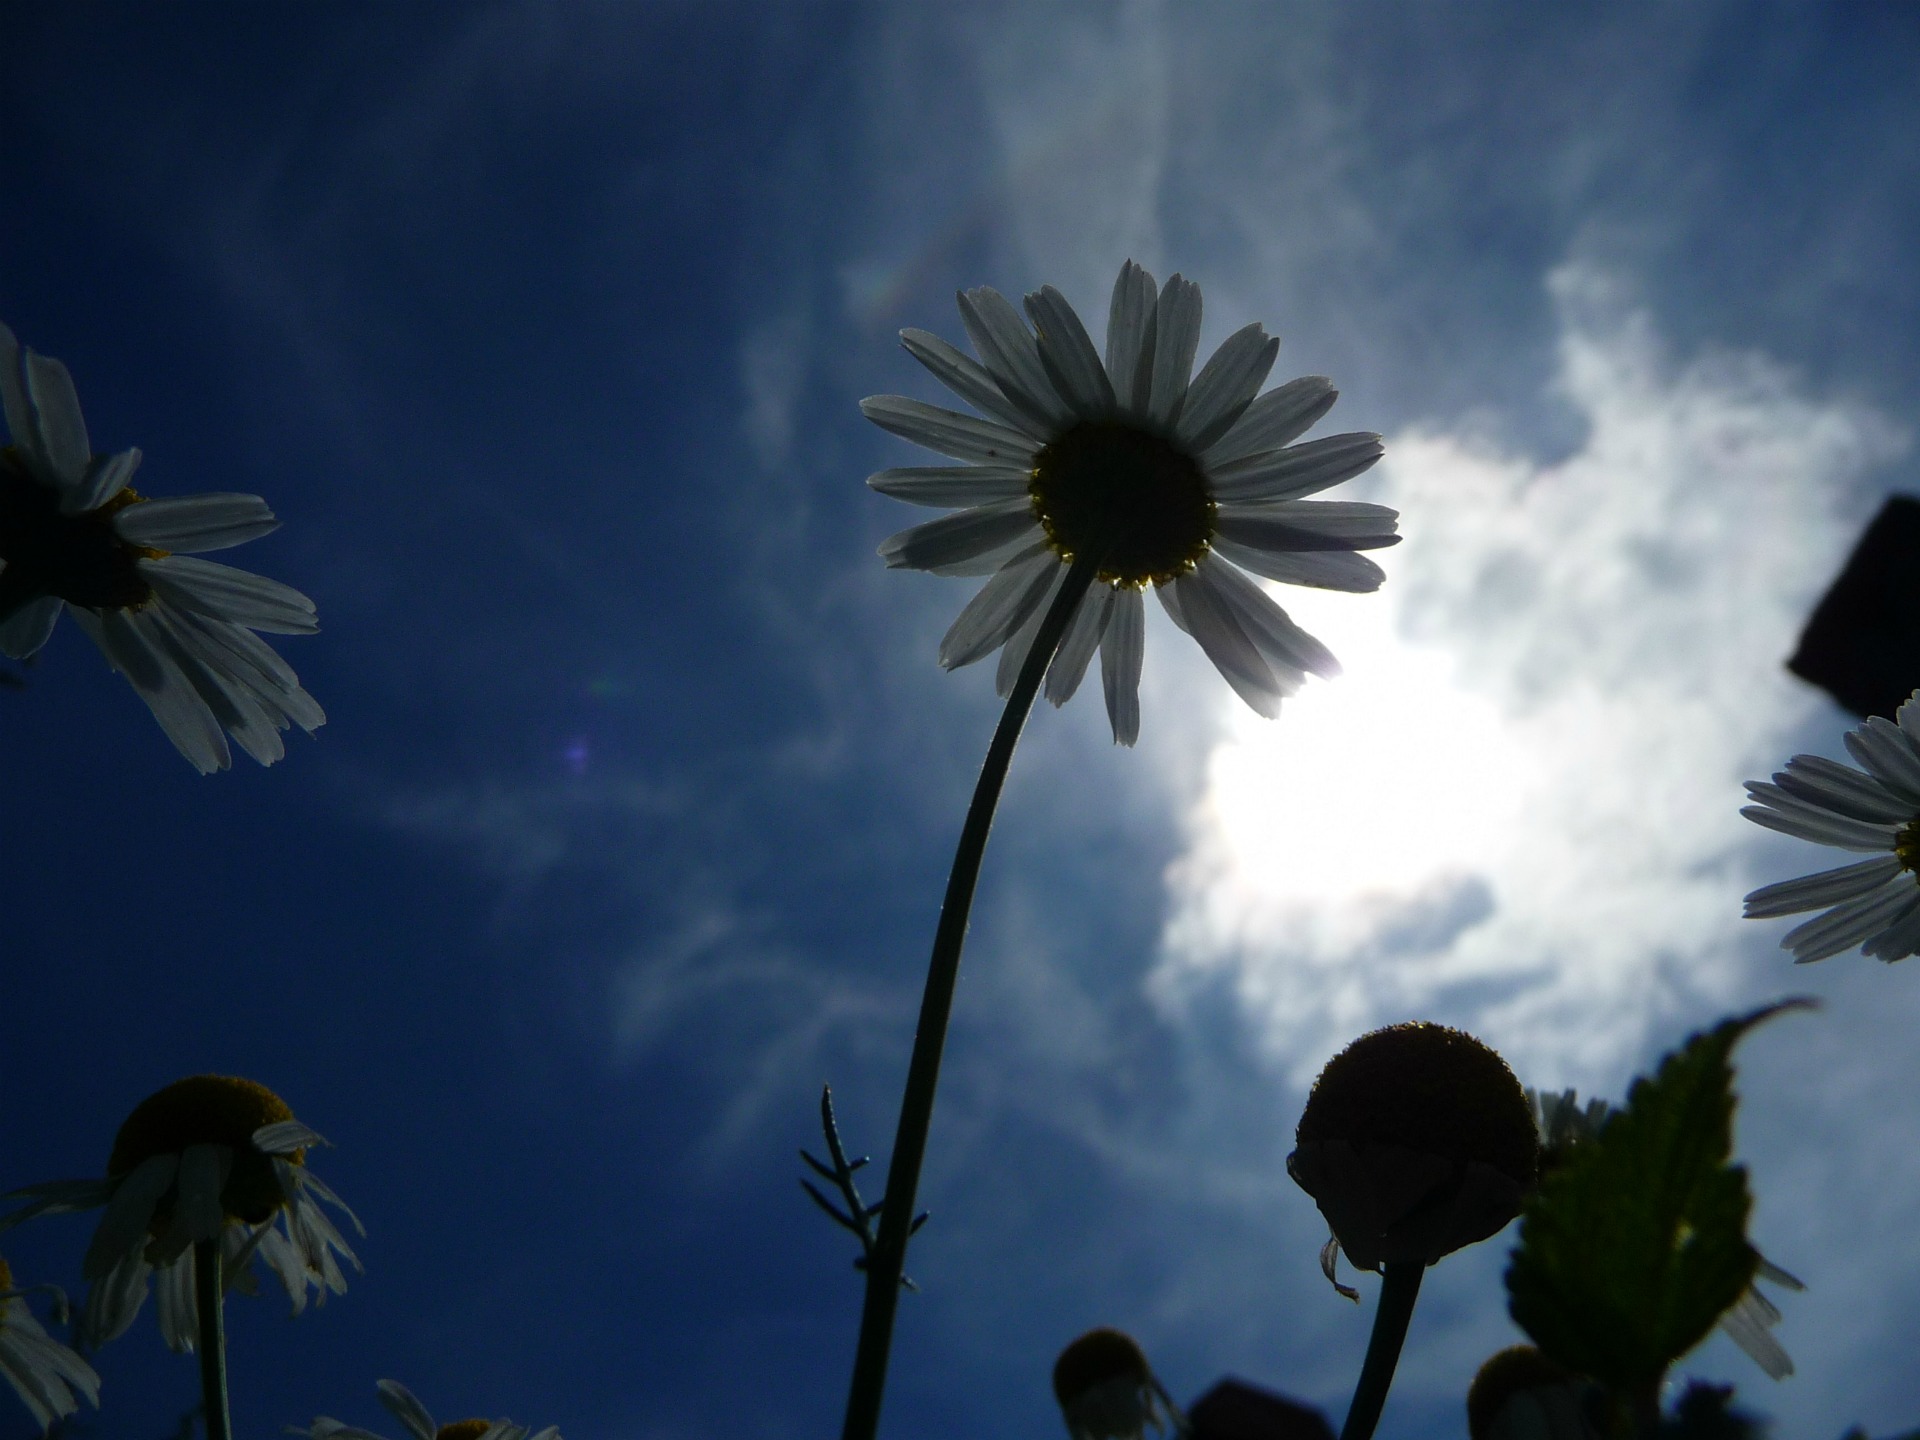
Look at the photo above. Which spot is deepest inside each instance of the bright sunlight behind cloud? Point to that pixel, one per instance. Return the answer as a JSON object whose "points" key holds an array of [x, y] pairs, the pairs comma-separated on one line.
{"points": [[1518, 809]]}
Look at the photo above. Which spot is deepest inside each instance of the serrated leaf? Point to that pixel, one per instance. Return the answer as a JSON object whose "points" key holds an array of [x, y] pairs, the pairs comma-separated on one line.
{"points": [[1632, 1250]]}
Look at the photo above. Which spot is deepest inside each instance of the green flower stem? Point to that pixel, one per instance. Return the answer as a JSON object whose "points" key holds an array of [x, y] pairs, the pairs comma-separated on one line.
{"points": [[209, 1293], [1399, 1288], [936, 1006]]}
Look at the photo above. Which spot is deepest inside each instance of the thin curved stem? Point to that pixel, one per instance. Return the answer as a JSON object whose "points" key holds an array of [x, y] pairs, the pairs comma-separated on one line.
{"points": [[1399, 1288], [209, 1293], [936, 1006]]}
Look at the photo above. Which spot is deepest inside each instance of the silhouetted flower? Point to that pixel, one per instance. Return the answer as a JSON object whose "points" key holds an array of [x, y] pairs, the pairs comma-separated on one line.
{"points": [[74, 533], [1184, 484], [1415, 1141], [209, 1157]]}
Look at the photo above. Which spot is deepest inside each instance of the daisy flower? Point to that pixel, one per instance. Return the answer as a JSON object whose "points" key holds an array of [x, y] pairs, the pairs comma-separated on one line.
{"points": [[1875, 903], [74, 533], [46, 1375], [419, 1425], [209, 1157], [1182, 481]]}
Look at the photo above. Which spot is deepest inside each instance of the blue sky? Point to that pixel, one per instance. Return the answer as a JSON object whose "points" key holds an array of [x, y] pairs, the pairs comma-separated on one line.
{"points": [[543, 329]]}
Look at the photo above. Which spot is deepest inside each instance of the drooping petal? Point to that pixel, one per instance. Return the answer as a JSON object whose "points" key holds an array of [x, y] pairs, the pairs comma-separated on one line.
{"points": [[1001, 607], [26, 630], [175, 1306], [158, 681], [114, 1299], [192, 523], [124, 1226], [1296, 471], [1122, 652], [1067, 353], [1747, 1324], [61, 433], [1130, 338], [1176, 337], [1083, 638], [407, 1409], [1322, 569], [1269, 626], [1816, 892], [1276, 419], [952, 485], [106, 477], [1225, 386], [224, 592], [1006, 347], [967, 378], [1213, 625], [965, 437], [939, 545], [1020, 644]]}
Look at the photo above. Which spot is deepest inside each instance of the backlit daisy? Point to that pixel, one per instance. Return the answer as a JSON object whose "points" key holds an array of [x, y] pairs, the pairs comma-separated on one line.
{"points": [[48, 1377], [420, 1425], [1182, 483], [208, 1157], [1875, 903], [74, 533], [1107, 1391]]}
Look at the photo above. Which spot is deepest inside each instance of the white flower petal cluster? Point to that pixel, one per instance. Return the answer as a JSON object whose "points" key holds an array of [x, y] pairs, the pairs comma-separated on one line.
{"points": [[418, 1423], [129, 1251], [1874, 810], [50, 1378], [74, 534], [1206, 485]]}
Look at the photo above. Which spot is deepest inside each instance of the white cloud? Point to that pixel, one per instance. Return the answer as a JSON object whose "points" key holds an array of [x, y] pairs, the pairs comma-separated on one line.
{"points": [[1518, 810]]}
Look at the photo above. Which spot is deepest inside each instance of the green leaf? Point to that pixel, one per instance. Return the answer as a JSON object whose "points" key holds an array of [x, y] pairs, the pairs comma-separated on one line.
{"points": [[1632, 1249]]}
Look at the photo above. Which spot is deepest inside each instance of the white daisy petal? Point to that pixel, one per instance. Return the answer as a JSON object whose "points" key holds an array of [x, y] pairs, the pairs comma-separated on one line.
{"points": [[233, 707], [26, 630], [106, 477], [1001, 607], [285, 1137], [175, 1305], [1793, 816], [952, 485], [114, 1300], [58, 1197], [1225, 386], [1847, 924], [968, 379], [1881, 747], [211, 521], [1297, 471], [1122, 651], [1276, 419], [122, 1230], [248, 661], [1322, 569], [962, 536], [1361, 526], [407, 1409], [1815, 892], [1747, 1324], [1269, 626], [1006, 347], [1082, 639], [1821, 781], [1130, 320], [222, 592], [1067, 354], [965, 437], [1268, 528], [1213, 624], [61, 435], [1907, 717], [1020, 644], [1901, 937], [157, 680], [1176, 337]]}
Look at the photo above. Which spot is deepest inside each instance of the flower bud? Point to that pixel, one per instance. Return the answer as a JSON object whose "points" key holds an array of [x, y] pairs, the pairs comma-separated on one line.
{"points": [[1106, 1389]]}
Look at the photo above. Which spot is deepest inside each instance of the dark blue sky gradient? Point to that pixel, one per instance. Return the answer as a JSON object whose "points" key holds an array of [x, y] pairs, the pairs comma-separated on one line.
{"points": [[542, 328]]}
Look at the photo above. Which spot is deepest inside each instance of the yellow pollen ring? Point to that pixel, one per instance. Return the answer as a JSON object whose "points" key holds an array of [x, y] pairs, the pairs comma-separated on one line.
{"points": [[463, 1430]]}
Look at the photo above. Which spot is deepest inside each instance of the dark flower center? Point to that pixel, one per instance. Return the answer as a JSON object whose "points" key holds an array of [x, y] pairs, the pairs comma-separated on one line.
{"points": [[1132, 498], [209, 1110], [1095, 1358], [1906, 845], [76, 557], [463, 1430]]}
